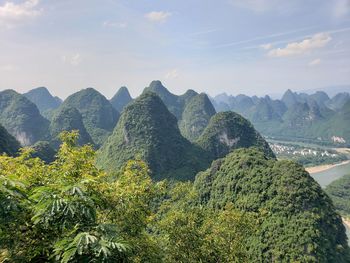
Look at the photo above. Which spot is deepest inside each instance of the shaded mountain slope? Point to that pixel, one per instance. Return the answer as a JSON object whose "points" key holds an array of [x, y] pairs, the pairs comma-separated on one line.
{"points": [[21, 118], [99, 116]]}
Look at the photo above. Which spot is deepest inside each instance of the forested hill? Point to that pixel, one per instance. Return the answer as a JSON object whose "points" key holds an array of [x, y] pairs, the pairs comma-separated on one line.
{"points": [[21, 118], [305, 117], [338, 190], [8, 143], [172, 180], [297, 221], [98, 114], [121, 99], [147, 130], [43, 99]]}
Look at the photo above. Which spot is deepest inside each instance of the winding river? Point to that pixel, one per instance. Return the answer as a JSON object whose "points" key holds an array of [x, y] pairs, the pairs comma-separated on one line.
{"points": [[326, 177]]}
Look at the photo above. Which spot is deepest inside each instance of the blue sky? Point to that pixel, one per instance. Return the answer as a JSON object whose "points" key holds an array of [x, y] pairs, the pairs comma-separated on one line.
{"points": [[233, 46]]}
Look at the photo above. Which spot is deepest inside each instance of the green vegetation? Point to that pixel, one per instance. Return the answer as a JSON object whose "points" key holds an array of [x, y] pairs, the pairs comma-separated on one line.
{"points": [[42, 98], [196, 116], [21, 118], [68, 119], [314, 118], [121, 99], [245, 208], [174, 103], [70, 211], [297, 220], [8, 143], [340, 194], [227, 131], [99, 116], [147, 130], [192, 233]]}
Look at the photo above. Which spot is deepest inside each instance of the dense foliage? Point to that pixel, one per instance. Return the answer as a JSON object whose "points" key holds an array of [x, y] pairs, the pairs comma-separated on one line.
{"points": [[196, 116], [8, 143], [99, 116], [147, 130], [174, 103], [21, 118], [297, 220], [339, 191], [70, 211], [227, 131], [68, 119], [121, 99]]}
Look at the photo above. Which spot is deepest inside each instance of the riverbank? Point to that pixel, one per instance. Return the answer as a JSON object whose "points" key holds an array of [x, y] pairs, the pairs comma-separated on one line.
{"points": [[324, 167]]}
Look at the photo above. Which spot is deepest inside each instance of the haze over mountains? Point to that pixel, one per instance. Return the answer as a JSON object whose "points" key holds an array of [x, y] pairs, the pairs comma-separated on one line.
{"points": [[208, 142], [312, 117]]}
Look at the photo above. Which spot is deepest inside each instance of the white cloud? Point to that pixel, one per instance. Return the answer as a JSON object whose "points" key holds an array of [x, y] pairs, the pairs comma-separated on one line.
{"points": [[172, 74], [73, 60], [266, 46], [315, 62], [12, 13], [341, 8], [115, 24], [158, 16], [298, 48]]}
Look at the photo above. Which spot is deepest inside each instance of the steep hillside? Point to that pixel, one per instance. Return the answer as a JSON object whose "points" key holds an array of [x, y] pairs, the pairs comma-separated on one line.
{"points": [[227, 131], [43, 99], [297, 220], [320, 97], [147, 130], [174, 103], [8, 143], [196, 116], [338, 190], [21, 118], [99, 116], [339, 125], [338, 101], [68, 119], [121, 99]]}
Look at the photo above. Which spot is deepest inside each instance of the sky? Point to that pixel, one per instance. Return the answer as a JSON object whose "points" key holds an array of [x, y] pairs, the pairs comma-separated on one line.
{"points": [[213, 46]]}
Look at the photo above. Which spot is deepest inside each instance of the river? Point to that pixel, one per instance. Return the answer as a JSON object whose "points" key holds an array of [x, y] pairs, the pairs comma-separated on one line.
{"points": [[326, 177]]}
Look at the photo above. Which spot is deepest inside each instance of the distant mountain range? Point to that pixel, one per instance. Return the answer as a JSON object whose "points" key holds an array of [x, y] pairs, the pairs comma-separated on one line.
{"points": [[312, 117], [39, 116], [207, 141]]}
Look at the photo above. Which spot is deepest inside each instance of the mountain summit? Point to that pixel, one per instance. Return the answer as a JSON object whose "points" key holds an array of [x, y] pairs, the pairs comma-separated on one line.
{"points": [[147, 130], [43, 99], [98, 114], [121, 99]]}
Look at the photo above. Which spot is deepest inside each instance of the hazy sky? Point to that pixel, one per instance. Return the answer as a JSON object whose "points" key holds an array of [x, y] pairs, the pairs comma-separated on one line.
{"points": [[233, 46]]}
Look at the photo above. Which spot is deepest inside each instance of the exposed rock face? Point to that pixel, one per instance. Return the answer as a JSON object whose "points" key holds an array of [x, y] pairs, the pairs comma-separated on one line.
{"points": [[227, 131], [21, 118]]}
